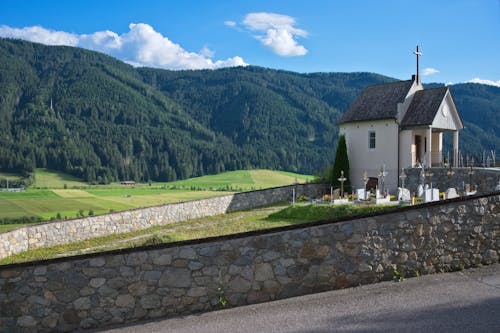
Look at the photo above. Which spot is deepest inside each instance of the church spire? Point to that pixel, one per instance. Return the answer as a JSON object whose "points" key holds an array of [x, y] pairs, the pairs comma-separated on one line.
{"points": [[418, 54]]}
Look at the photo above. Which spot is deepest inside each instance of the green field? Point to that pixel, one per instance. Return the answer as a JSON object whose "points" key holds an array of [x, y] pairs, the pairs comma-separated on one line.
{"points": [[243, 180], [49, 199], [45, 178]]}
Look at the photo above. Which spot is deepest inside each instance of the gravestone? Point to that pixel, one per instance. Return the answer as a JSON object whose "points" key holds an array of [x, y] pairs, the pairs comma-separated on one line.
{"points": [[362, 194], [420, 191], [431, 195], [383, 200], [404, 194], [451, 193]]}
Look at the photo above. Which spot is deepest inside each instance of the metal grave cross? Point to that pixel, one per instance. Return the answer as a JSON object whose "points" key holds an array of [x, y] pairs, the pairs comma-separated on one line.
{"points": [[403, 176], [450, 174], [382, 175], [365, 178], [342, 179], [471, 172]]}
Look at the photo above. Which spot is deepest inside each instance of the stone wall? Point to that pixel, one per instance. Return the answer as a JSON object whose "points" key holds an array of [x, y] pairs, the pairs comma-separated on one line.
{"points": [[188, 277], [68, 231], [485, 178]]}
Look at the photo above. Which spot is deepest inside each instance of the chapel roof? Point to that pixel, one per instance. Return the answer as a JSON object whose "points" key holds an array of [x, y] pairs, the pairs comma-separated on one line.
{"points": [[424, 106], [378, 102]]}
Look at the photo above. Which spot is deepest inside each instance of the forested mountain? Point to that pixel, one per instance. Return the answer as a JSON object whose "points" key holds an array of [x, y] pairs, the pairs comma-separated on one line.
{"points": [[110, 121]]}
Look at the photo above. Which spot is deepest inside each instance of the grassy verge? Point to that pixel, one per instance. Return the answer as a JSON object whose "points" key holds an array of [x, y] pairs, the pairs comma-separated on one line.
{"points": [[256, 219]]}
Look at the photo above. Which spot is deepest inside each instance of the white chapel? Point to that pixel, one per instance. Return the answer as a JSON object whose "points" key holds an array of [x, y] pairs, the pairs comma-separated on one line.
{"points": [[398, 125]]}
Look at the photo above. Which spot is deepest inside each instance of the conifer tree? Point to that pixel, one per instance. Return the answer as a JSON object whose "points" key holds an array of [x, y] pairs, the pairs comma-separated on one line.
{"points": [[341, 163]]}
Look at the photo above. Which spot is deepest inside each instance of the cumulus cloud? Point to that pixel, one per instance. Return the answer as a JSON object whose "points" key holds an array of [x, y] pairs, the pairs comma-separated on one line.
{"points": [[277, 32], [140, 46], [482, 81], [230, 23], [430, 71]]}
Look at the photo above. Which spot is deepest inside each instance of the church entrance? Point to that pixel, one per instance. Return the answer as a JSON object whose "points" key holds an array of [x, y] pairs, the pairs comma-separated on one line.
{"points": [[418, 149]]}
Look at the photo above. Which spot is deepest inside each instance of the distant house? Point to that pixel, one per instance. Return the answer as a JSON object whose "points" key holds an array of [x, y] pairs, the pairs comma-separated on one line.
{"points": [[128, 182], [398, 125]]}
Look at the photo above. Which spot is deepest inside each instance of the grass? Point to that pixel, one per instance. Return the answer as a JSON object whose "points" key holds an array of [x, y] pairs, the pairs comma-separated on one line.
{"points": [[45, 178], [48, 197], [242, 180], [262, 218], [321, 212]]}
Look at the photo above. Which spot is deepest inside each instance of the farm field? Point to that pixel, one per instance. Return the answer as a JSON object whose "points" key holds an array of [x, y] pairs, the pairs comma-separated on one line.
{"points": [[59, 196], [278, 215]]}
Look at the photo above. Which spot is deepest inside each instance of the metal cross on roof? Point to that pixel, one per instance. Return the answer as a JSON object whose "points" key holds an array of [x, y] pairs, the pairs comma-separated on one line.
{"points": [[342, 179], [418, 54]]}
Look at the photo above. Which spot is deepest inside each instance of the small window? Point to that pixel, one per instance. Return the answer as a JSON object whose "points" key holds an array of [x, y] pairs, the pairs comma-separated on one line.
{"points": [[371, 140]]}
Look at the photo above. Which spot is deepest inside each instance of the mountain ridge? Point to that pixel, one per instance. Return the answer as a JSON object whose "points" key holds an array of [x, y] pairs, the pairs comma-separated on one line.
{"points": [[111, 121]]}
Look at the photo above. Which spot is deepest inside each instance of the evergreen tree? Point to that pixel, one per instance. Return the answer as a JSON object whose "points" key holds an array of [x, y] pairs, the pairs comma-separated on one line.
{"points": [[340, 164]]}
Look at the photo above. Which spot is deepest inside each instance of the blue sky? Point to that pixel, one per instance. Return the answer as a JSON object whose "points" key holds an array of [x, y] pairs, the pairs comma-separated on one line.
{"points": [[460, 39]]}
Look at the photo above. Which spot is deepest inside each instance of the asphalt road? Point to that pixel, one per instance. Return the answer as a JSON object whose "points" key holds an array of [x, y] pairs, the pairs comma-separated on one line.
{"points": [[465, 301]]}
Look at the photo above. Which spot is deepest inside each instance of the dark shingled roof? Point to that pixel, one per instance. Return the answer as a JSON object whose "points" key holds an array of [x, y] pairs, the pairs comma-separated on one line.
{"points": [[378, 102], [424, 106]]}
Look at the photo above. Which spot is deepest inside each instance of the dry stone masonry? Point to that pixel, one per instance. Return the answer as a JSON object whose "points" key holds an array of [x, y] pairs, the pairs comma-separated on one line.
{"points": [[189, 277], [63, 232]]}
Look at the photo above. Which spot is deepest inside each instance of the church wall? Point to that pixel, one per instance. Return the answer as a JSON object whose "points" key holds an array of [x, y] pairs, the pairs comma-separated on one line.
{"points": [[362, 158], [407, 149]]}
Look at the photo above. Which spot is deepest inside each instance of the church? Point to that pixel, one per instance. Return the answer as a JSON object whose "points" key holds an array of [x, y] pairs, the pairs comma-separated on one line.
{"points": [[398, 125]]}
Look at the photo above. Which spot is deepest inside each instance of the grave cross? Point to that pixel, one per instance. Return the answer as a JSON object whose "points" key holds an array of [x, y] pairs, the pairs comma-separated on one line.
{"points": [[382, 175], [429, 177], [403, 176], [422, 176], [342, 179], [450, 174], [471, 172], [365, 178]]}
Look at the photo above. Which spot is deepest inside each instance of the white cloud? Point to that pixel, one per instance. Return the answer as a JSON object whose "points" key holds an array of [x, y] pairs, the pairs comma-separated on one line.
{"points": [[276, 32], [230, 23], [40, 35], [205, 51], [430, 71], [140, 46], [482, 81]]}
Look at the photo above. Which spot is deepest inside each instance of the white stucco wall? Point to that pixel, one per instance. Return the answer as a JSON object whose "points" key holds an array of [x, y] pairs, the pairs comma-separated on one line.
{"points": [[362, 158], [407, 149]]}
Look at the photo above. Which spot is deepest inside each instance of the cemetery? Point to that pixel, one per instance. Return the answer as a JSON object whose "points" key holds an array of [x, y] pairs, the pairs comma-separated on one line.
{"points": [[426, 185]]}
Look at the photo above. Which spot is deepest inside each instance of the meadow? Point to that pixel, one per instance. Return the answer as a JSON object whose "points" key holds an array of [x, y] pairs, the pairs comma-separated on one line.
{"points": [[54, 195]]}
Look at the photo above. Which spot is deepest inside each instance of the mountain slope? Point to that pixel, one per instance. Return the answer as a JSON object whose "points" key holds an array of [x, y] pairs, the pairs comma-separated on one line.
{"points": [[105, 123], [111, 121]]}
